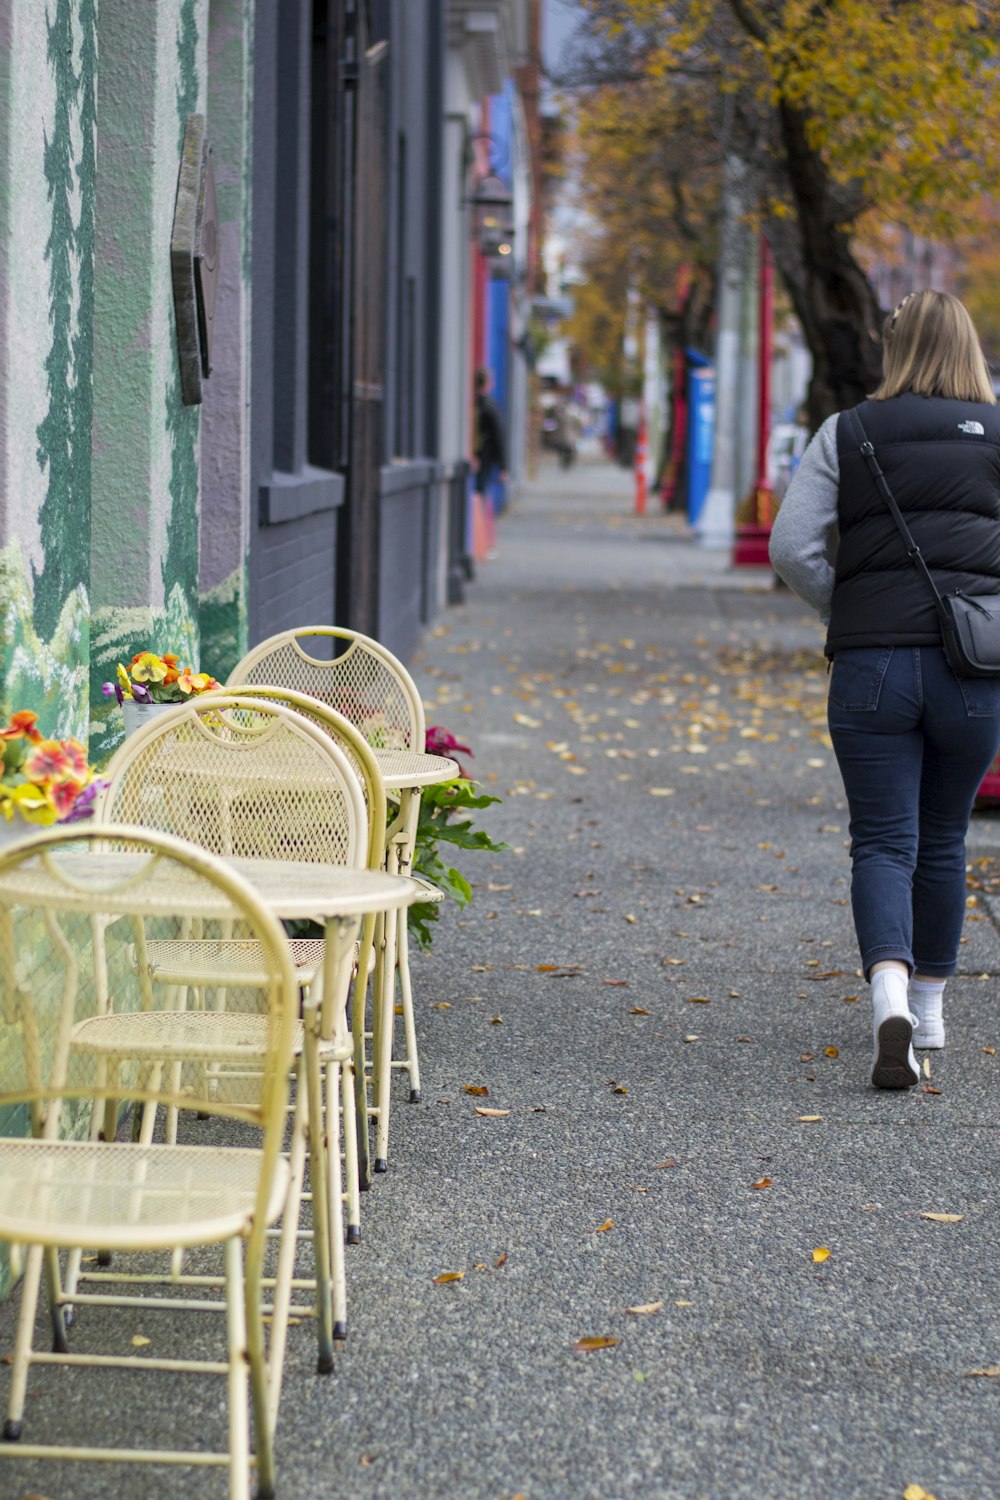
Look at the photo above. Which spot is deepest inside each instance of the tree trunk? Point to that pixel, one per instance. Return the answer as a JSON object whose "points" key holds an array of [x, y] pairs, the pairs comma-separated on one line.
{"points": [[832, 296]]}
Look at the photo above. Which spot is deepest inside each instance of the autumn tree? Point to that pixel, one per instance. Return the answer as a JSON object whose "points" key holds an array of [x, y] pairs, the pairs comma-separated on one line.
{"points": [[836, 111]]}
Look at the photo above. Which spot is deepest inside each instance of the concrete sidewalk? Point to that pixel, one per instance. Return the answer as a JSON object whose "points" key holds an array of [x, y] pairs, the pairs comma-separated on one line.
{"points": [[659, 982]]}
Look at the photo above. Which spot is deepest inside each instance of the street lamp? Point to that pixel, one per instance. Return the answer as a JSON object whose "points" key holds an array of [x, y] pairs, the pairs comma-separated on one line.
{"points": [[492, 204]]}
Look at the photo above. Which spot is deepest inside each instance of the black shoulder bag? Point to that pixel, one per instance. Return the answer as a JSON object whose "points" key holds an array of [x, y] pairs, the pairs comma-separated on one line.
{"points": [[970, 624]]}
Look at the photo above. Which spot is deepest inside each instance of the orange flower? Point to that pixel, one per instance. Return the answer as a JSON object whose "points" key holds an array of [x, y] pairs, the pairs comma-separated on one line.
{"points": [[170, 659], [48, 762], [76, 755], [63, 795], [22, 724], [172, 675]]}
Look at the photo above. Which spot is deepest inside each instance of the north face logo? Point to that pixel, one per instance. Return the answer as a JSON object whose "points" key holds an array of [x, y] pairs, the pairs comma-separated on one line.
{"points": [[976, 429]]}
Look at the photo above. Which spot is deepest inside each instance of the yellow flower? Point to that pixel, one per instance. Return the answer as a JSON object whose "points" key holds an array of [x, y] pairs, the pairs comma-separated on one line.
{"points": [[124, 680], [195, 682], [34, 804], [149, 668]]}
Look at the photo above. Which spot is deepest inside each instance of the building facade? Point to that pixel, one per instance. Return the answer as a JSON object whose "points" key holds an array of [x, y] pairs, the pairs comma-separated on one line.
{"points": [[322, 476]]}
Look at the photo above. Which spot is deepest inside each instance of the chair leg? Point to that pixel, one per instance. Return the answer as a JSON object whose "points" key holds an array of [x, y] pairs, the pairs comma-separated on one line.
{"points": [[349, 1141], [382, 1042], [288, 1241], [23, 1345], [335, 1204], [240, 1375], [406, 996], [319, 1181], [53, 1290], [358, 1008]]}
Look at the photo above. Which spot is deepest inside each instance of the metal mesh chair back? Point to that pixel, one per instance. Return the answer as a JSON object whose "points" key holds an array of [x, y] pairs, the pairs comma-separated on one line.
{"points": [[77, 910], [244, 779], [352, 743], [364, 682]]}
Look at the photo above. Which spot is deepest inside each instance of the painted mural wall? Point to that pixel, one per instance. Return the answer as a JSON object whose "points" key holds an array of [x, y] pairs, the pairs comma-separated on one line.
{"points": [[104, 548]]}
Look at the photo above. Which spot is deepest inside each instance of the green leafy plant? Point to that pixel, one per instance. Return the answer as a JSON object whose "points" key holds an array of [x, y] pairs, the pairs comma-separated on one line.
{"points": [[441, 822]]}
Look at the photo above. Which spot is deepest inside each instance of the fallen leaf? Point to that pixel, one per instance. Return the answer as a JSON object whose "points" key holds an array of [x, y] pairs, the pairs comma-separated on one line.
{"points": [[929, 1089], [138, 1341], [809, 1119], [676, 962], [448, 1276], [763, 1182], [831, 1051], [637, 1010], [917, 1492], [608, 1224], [480, 1266], [699, 1000], [441, 1005], [990, 1051], [619, 1088], [820, 1255], [620, 984], [496, 1020], [502, 1261], [692, 1039], [493, 1114], [992, 1372], [927, 1067], [944, 1218], [671, 1161], [478, 1089], [645, 1309], [684, 1304], [595, 1341], [661, 791], [851, 999], [629, 917]]}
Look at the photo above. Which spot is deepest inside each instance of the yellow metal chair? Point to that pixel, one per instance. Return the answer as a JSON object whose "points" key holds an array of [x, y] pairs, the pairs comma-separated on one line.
{"points": [[254, 780], [358, 1077], [364, 682], [72, 905]]}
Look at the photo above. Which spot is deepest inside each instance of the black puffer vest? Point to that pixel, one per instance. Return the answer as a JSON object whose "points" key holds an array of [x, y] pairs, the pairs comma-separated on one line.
{"points": [[942, 461]]}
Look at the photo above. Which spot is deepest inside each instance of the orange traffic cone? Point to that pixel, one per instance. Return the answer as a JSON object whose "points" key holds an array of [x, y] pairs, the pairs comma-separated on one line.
{"points": [[640, 468]]}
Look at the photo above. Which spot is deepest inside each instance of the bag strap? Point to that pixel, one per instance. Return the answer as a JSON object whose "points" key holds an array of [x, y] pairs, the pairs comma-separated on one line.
{"points": [[882, 484]]}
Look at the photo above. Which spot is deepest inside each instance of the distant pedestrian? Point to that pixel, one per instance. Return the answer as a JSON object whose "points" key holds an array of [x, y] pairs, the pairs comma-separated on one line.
{"points": [[490, 437], [913, 740]]}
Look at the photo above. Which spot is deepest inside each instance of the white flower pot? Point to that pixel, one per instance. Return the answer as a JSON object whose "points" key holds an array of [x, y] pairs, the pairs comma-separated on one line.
{"points": [[137, 715]]}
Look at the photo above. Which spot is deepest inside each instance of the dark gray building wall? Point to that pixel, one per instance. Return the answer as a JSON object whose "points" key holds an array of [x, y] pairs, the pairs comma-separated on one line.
{"points": [[359, 489], [293, 533], [410, 488]]}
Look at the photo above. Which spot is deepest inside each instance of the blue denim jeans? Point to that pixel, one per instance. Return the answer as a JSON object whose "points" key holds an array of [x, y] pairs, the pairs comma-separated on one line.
{"points": [[913, 742]]}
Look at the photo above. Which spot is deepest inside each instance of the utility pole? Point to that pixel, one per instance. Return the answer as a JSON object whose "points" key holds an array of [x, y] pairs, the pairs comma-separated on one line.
{"points": [[715, 526]]}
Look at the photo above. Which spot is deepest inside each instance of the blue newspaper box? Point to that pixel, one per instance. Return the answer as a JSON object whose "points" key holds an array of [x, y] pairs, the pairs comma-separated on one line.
{"points": [[701, 430]]}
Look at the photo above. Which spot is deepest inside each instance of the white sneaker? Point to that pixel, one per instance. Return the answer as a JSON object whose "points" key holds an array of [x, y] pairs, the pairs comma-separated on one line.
{"points": [[894, 1065], [925, 1002]]}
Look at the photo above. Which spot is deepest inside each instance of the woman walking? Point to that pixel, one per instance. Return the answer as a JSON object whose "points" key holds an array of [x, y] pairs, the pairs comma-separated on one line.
{"points": [[913, 740]]}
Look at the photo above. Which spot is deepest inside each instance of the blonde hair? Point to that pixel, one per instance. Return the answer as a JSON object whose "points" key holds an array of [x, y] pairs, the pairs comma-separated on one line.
{"points": [[930, 347]]}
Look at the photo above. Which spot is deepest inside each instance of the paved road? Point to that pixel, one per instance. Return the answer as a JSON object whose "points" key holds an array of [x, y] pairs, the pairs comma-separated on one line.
{"points": [[659, 982]]}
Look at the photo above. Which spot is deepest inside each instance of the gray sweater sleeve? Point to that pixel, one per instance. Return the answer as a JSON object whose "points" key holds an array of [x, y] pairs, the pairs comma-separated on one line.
{"points": [[804, 536]]}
